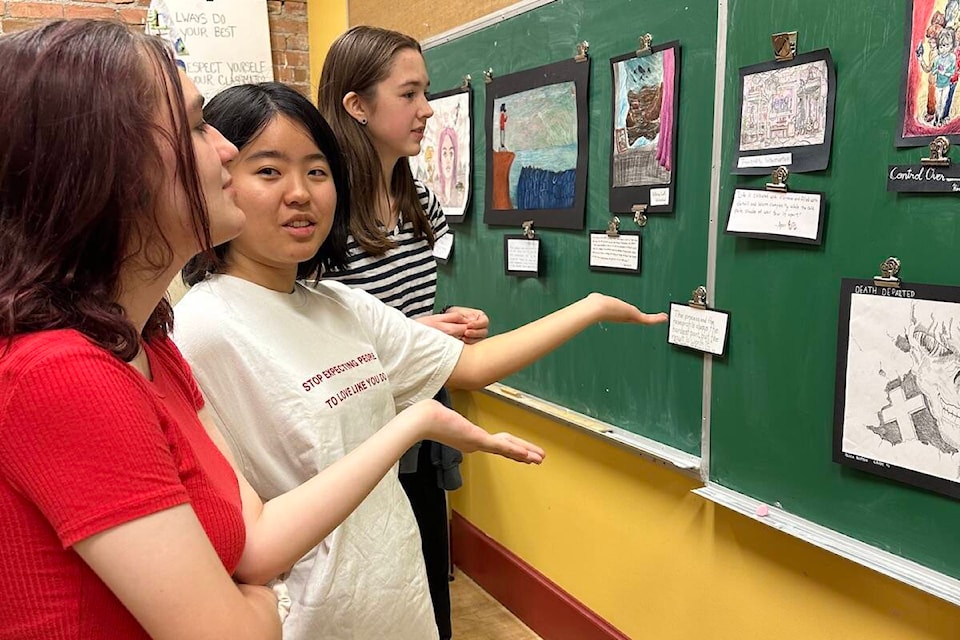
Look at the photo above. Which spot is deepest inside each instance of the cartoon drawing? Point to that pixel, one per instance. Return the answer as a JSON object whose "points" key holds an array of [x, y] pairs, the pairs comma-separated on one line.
{"points": [[444, 160], [930, 74], [503, 125], [784, 107], [902, 403]]}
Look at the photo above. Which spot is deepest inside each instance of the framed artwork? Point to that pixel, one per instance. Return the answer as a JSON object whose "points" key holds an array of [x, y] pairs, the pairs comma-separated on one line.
{"points": [[897, 411], [536, 126], [644, 130], [445, 162], [786, 115], [929, 74]]}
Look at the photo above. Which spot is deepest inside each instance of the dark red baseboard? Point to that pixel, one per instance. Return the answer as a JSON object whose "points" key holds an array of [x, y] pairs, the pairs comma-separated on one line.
{"points": [[543, 606]]}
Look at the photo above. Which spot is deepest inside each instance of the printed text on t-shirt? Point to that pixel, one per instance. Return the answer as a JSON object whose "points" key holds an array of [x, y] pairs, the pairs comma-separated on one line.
{"points": [[355, 388], [326, 374]]}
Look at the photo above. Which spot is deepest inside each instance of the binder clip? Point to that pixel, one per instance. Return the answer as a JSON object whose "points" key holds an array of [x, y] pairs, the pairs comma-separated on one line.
{"points": [[889, 270], [488, 75], [613, 227], [528, 232], [784, 46], [643, 46], [699, 299], [466, 82], [938, 153], [778, 180], [639, 214], [583, 47]]}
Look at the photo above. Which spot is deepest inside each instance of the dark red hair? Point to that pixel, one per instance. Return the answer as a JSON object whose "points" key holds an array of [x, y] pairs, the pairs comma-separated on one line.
{"points": [[85, 110]]}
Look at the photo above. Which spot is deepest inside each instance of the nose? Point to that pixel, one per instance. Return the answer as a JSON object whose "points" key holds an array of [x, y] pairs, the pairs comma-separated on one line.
{"points": [[426, 110], [296, 192], [226, 149]]}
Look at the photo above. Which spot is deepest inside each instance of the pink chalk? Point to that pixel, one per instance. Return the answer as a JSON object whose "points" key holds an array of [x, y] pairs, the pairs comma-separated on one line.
{"points": [[762, 511]]}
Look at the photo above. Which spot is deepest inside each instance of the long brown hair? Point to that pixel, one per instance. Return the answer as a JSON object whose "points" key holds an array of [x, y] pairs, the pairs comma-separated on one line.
{"points": [[86, 112], [358, 61]]}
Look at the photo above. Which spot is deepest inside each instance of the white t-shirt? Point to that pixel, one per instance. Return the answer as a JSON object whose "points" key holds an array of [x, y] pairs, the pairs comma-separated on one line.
{"points": [[296, 381]]}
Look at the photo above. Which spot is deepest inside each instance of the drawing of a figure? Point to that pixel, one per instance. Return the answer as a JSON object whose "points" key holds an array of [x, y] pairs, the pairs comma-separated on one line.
{"points": [[503, 125], [903, 384], [941, 69], [449, 190]]}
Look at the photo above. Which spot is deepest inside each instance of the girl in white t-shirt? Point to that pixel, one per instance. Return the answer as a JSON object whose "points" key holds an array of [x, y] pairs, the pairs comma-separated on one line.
{"points": [[299, 376]]}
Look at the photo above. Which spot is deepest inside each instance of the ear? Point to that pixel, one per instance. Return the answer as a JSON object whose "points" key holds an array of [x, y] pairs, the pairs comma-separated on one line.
{"points": [[353, 104]]}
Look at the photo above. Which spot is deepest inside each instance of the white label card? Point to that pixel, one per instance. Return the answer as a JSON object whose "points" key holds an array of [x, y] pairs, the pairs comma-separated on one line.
{"points": [[443, 246], [772, 213], [700, 329], [618, 252], [523, 255], [660, 197], [768, 160]]}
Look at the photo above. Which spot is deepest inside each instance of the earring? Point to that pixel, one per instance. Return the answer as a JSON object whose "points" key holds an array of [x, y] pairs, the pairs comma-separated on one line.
{"points": [[363, 122]]}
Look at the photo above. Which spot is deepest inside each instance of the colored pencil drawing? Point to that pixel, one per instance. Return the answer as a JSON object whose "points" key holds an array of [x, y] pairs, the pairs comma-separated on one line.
{"points": [[536, 140], [535, 153], [902, 402], [643, 119], [931, 63], [784, 107], [444, 163]]}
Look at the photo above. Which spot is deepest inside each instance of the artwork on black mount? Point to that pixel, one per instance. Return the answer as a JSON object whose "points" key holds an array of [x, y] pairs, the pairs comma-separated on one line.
{"points": [[444, 164], [644, 132], [897, 410], [536, 125], [786, 115], [929, 73]]}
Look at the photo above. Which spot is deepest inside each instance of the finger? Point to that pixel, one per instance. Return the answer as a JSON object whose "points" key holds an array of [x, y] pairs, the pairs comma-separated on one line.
{"points": [[452, 317], [652, 318], [475, 334], [529, 446], [452, 329]]}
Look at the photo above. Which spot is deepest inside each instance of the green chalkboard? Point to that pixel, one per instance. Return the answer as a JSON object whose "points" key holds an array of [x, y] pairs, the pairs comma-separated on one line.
{"points": [[627, 376], [773, 396]]}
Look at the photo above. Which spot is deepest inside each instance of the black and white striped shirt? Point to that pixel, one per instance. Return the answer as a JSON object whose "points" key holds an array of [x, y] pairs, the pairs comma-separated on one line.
{"points": [[405, 277]]}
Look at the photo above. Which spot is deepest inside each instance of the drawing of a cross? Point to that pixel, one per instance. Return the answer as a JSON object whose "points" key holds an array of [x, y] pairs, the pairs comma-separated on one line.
{"points": [[901, 410]]}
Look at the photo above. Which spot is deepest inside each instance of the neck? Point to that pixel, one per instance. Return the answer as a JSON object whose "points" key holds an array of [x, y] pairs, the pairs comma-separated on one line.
{"points": [[141, 290], [385, 203], [277, 278]]}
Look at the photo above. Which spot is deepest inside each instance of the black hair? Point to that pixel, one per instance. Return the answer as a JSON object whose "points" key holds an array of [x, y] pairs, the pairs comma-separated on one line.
{"points": [[241, 113]]}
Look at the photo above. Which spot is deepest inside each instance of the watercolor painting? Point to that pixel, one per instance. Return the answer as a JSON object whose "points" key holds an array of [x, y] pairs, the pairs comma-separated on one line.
{"points": [[931, 66], [786, 114], [899, 410], [536, 152], [444, 164], [644, 129]]}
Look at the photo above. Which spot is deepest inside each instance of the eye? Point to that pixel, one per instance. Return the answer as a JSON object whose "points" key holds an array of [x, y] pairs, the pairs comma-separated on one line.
{"points": [[269, 172], [319, 172], [202, 126], [931, 344]]}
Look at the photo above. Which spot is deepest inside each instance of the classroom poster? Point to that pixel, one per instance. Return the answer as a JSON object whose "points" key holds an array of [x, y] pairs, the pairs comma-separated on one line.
{"points": [[444, 164], [222, 43]]}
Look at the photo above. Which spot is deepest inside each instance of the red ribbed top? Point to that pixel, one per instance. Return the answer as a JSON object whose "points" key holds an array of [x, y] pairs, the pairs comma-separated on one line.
{"points": [[86, 444]]}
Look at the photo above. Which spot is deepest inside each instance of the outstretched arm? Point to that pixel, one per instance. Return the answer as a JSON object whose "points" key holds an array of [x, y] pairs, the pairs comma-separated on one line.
{"points": [[500, 356], [281, 531]]}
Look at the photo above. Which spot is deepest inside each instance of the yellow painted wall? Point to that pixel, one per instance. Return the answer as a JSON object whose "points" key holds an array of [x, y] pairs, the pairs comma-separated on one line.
{"points": [[627, 538], [326, 20]]}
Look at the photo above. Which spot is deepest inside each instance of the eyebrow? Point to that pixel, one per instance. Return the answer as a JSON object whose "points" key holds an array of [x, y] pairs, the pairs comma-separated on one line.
{"points": [[273, 154], [415, 83]]}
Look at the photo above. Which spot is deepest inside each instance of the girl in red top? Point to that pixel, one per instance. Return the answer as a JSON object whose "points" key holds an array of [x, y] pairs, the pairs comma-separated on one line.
{"points": [[120, 516]]}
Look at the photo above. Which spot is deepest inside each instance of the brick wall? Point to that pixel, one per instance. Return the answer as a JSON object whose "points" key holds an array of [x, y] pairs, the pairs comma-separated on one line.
{"points": [[288, 27]]}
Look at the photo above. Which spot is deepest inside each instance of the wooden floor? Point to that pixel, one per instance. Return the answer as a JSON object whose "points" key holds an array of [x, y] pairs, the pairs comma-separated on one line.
{"points": [[477, 616]]}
